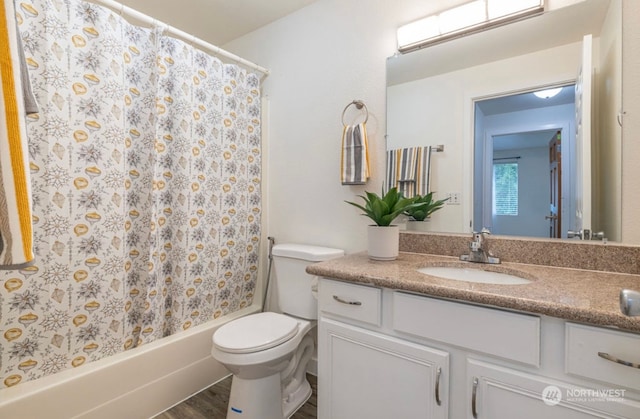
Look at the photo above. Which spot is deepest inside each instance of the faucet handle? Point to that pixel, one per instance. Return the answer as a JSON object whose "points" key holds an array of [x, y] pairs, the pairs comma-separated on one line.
{"points": [[482, 232], [478, 241], [571, 234]]}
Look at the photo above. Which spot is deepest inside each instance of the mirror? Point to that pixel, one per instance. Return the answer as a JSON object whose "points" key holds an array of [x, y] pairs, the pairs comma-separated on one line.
{"points": [[524, 164], [432, 96]]}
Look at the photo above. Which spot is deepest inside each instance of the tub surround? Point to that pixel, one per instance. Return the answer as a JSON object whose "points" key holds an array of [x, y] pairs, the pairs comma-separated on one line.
{"points": [[138, 383], [577, 281]]}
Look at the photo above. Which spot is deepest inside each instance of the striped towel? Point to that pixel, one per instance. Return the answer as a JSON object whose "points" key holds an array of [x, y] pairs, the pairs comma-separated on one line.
{"points": [[354, 166], [15, 207], [408, 170]]}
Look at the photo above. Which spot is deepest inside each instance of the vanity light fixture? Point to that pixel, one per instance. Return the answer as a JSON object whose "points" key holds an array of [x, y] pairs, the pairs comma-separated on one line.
{"points": [[467, 18], [547, 93]]}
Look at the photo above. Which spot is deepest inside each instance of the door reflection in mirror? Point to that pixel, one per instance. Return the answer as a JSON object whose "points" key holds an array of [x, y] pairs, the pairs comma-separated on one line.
{"points": [[524, 164]]}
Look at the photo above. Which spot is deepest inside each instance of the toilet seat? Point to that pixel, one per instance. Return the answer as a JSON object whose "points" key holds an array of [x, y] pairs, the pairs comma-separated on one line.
{"points": [[255, 333]]}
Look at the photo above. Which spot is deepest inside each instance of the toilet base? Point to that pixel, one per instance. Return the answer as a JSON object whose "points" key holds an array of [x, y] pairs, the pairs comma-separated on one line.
{"points": [[296, 399], [262, 398], [259, 398]]}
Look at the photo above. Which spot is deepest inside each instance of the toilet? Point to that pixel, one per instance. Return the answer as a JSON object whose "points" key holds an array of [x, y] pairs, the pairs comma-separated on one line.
{"points": [[268, 353]]}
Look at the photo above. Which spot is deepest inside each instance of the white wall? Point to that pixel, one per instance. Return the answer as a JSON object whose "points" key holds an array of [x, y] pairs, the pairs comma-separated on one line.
{"points": [[607, 187], [437, 110], [321, 58], [430, 112], [631, 121]]}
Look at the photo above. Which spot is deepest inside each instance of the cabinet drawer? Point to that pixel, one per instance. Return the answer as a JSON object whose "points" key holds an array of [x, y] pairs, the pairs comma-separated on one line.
{"points": [[504, 334], [581, 355], [357, 302]]}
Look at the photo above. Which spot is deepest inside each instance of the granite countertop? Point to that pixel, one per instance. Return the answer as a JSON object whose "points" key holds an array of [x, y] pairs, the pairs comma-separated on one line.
{"points": [[584, 296]]}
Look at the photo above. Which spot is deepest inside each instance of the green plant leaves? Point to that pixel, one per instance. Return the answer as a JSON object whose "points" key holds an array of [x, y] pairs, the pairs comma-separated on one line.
{"points": [[383, 210], [426, 207]]}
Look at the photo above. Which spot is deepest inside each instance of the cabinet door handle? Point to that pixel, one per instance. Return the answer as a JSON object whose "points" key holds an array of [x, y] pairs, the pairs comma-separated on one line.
{"points": [[474, 396], [618, 360], [351, 303], [438, 374]]}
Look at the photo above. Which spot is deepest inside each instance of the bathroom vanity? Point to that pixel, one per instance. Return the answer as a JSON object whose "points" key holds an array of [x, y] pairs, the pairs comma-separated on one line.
{"points": [[394, 342]]}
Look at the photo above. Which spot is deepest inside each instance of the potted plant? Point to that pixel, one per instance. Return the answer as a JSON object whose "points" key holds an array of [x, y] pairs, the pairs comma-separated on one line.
{"points": [[422, 213], [383, 238]]}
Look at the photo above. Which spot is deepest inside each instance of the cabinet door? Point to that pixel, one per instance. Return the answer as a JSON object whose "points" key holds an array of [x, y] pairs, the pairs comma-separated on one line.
{"points": [[367, 375], [502, 393]]}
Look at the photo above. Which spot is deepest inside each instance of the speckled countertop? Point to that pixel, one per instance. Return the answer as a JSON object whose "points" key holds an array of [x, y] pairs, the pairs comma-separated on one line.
{"points": [[584, 296]]}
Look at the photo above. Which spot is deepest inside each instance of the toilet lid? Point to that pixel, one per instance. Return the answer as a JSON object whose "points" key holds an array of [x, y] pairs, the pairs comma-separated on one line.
{"points": [[254, 333]]}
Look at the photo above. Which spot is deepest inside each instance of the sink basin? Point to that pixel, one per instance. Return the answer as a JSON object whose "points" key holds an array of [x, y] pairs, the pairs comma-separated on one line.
{"points": [[474, 275]]}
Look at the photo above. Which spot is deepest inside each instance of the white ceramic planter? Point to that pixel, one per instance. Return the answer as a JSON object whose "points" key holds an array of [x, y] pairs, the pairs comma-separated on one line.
{"points": [[384, 242], [413, 225]]}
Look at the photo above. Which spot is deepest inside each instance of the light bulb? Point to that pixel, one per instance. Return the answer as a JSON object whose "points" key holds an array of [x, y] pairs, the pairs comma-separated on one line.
{"points": [[548, 93]]}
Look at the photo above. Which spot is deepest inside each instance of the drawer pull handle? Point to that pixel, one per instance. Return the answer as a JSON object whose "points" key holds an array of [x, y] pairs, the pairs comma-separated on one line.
{"points": [[474, 396], [438, 373], [351, 303], [617, 360]]}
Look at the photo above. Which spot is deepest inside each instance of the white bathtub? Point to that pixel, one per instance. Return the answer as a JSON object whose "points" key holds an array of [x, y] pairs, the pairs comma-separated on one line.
{"points": [[139, 383]]}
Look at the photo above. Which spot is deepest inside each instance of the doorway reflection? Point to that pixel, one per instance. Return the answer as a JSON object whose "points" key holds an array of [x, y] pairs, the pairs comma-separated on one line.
{"points": [[524, 168]]}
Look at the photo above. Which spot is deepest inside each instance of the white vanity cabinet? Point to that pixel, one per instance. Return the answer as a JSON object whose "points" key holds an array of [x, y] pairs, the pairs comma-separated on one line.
{"points": [[370, 375], [367, 374], [390, 354], [505, 393]]}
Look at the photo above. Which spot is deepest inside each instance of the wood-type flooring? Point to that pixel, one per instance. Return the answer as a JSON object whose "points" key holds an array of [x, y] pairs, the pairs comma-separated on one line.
{"points": [[211, 403]]}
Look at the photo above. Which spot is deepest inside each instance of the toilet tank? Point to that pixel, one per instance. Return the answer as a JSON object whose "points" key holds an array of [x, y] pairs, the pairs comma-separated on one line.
{"points": [[293, 282]]}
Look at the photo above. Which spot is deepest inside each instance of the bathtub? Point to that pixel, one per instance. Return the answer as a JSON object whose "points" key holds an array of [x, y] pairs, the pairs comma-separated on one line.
{"points": [[138, 383]]}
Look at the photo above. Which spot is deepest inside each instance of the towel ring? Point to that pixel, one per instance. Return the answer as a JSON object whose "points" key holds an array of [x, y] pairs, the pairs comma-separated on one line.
{"points": [[359, 105]]}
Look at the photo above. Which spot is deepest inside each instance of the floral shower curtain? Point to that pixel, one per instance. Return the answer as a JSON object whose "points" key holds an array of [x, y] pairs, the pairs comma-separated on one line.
{"points": [[145, 162]]}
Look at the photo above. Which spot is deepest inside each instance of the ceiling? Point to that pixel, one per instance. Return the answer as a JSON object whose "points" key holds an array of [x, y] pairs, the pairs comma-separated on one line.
{"points": [[522, 102], [217, 21], [521, 140], [525, 101]]}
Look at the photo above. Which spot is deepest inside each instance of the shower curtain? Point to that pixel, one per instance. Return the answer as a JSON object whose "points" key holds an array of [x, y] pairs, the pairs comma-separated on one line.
{"points": [[145, 162]]}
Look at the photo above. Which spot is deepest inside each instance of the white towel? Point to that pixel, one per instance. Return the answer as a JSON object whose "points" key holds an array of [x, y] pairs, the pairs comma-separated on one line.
{"points": [[16, 235], [354, 165], [423, 170], [408, 170]]}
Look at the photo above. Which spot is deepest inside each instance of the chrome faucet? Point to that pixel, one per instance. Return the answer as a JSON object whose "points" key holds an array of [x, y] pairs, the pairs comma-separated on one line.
{"points": [[586, 234], [477, 249]]}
